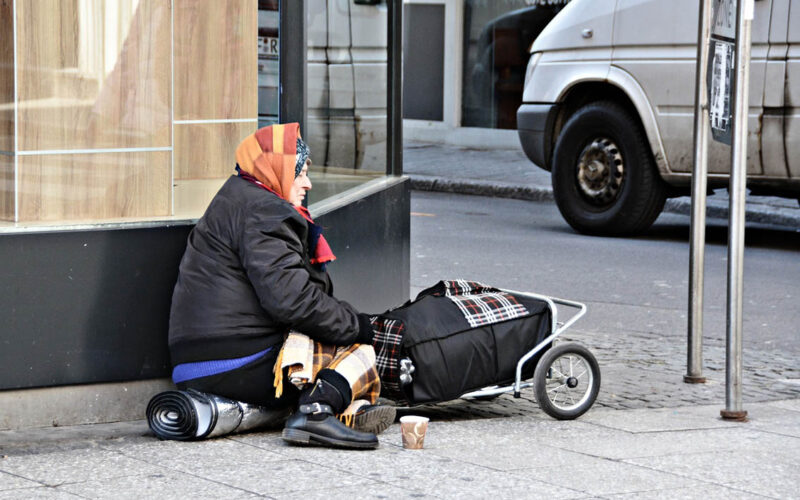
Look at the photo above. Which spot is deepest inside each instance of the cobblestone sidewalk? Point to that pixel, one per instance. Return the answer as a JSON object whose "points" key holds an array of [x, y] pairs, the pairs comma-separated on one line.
{"points": [[641, 370]]}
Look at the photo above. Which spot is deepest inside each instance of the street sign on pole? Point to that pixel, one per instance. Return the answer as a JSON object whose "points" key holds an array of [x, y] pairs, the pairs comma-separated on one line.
{"points": [[727, 30], [722, 49]]}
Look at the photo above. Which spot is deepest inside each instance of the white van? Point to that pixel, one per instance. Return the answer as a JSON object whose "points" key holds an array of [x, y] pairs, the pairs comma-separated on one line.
{"points": [[608, 108]]}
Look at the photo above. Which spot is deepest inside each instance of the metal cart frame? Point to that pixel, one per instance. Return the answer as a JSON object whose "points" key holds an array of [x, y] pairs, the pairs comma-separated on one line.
{"points": [[556, 330]]}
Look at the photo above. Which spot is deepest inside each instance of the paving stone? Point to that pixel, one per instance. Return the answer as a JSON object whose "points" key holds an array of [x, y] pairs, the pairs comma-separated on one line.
{"points": [[42, 492], [520, 454], [162, 486], [663, 419], [703, 492], [453, 479], [363, 492], [753, 472], [618, 445], [58, 468], [774, 488], [11, 482], [283, 476], [55, 439], [792, 404], [774, 419], [420, 471], [261, 470], [347, 460], [187, 456], [606, 477]]}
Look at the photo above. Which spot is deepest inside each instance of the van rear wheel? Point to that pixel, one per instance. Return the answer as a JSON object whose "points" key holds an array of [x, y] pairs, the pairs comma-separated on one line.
{"points": [[604, 178]]}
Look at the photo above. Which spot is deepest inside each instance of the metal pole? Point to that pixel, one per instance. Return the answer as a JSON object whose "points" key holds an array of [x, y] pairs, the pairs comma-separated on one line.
{"points": [[394, 98], [293, 34], [733, 363], [697, 241]]}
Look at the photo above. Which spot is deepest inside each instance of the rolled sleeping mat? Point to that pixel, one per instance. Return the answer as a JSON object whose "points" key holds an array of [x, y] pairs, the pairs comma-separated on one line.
{"points": [[193, 415]]}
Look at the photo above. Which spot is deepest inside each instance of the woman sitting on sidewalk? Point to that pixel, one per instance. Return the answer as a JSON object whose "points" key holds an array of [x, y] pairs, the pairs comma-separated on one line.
{"points": [[253, 271]]}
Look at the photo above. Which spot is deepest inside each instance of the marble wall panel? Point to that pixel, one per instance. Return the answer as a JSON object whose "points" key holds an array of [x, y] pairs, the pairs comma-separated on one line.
{"points": [[6, 75], [93, 74], [94, 187], [208, 150], [216, 72], [6, 187]]}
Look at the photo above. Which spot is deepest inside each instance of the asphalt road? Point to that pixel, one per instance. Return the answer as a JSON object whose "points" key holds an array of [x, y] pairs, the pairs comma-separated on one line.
{"points": [[636, 290]]}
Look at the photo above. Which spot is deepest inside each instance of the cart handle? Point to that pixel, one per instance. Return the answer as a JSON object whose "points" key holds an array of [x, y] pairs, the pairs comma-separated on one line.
{"points": [[555, 329]]}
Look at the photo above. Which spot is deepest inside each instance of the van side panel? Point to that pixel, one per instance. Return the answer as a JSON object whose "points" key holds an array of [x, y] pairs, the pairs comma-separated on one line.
{"points": [[792, 102], [581, 25], [554, 77], [666, 72], [773, 122], [636, 94]]}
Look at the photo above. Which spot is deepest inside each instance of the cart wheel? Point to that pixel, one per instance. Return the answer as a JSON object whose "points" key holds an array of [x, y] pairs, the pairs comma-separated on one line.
{"points": [[566, 381]]}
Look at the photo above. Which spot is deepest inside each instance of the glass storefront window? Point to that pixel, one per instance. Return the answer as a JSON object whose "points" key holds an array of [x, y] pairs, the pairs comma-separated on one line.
{"points": [[346, 126], [268, 62], [497, 36], [88, 124], [121, 111], [131, 110]]}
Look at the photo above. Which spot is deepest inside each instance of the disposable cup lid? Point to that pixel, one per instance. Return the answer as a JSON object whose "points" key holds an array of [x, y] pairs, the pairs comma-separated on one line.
{"points": [[413, 419]]}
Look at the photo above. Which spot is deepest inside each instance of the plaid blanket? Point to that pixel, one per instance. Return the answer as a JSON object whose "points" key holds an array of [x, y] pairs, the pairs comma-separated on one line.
{"points": [[388, 336], [480, 304], [303, 358]]}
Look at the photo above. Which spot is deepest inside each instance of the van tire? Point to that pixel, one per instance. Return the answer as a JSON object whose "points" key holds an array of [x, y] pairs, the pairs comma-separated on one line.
{"points": [[604, 178]]}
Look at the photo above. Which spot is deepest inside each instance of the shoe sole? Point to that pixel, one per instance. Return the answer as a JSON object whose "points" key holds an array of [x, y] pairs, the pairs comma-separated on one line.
{"points": [[307, 438], [376, 420]]}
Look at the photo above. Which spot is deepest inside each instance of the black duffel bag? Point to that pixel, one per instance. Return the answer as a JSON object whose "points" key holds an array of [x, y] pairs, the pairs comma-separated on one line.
{"points": [[459, 336]]}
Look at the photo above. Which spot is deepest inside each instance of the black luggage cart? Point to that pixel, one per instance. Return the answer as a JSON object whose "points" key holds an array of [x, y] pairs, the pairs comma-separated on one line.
{"points": [[435, 361], [566, 380]]}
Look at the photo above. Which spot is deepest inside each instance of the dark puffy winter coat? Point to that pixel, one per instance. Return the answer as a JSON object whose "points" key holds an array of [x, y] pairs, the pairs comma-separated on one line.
{"points": [[246, 279]]}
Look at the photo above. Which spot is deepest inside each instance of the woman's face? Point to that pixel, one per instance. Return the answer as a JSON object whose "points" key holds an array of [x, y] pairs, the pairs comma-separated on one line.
{"points": [[301, 184]]}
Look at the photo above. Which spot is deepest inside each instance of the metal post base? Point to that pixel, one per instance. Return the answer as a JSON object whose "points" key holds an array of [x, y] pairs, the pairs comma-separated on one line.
{"points": [[736, 416], [694, 379]]}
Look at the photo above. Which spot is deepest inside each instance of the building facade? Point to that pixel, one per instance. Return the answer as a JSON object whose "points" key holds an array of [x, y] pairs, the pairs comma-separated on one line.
{"points": [[118, 123]]}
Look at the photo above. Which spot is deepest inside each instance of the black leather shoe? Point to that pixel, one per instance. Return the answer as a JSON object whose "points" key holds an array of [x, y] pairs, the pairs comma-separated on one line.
{"points": [[373, 418], [315, 424]]}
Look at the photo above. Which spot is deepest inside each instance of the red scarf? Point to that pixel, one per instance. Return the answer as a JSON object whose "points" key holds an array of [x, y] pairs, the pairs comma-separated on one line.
{"points": [[317, 244]]}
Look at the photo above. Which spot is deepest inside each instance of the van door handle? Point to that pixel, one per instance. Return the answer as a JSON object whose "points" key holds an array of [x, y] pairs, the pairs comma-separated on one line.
{"points": [[587, 33]]}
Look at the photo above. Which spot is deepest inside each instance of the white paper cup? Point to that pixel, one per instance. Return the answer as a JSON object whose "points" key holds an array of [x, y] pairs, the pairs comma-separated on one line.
{"points": [[413, 429]]}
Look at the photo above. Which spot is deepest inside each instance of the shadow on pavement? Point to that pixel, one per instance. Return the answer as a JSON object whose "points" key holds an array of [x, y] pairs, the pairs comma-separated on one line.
{"points": [[759, 236]]}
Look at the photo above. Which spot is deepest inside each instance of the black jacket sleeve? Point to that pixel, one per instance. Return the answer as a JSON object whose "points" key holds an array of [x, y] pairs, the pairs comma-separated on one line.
{"points": [[272, 255]]}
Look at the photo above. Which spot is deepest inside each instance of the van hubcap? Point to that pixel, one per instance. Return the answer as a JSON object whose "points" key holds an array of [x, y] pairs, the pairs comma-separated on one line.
{"points": [[600, 172]]}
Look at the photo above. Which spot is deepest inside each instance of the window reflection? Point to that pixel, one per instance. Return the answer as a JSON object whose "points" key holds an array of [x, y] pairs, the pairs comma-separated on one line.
{"points": [[268, 62], [131, 110], [346, 126], [347, 55], [497, 36]]}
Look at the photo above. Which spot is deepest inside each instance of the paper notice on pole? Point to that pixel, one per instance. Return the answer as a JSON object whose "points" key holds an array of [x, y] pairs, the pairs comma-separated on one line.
{"points": [[724, 16], [748, 12], [720, 74]]}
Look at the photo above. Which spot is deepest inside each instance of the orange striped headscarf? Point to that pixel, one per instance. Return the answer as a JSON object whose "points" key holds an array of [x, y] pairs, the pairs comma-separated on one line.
{"points": [[269, 155]]}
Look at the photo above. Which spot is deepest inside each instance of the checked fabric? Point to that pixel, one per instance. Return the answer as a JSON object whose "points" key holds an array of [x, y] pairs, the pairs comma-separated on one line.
{"points": [[481, 304], [302, 358], [388, 336]]}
